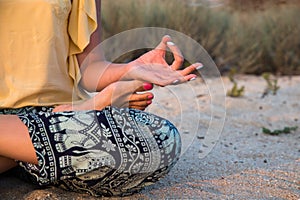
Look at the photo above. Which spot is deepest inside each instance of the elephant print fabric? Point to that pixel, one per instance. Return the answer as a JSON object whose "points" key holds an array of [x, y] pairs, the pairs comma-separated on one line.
{"points": [[115, 151]]}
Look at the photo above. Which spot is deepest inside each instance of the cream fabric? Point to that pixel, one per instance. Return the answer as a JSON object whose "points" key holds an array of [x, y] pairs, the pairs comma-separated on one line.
{"points": [[39, 42]]}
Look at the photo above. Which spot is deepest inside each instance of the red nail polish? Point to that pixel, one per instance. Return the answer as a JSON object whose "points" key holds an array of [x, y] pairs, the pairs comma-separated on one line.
{"points": [[147, 86], [149, 102], [150, 96]]}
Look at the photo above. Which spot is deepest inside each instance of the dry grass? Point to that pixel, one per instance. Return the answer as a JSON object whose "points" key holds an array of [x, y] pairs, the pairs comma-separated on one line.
{"points": [[253, 37]]}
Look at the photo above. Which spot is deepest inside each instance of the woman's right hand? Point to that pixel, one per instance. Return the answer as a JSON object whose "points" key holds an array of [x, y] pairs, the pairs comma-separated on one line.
{"points": [[132, 94], [152, 66]]}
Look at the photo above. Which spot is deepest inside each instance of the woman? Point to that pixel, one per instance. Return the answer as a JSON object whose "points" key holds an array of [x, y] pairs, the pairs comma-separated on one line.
{"points": [[104, 145]]}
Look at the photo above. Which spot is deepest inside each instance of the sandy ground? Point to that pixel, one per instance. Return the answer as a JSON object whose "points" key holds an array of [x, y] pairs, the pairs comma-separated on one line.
{"points": [[244, 164]]}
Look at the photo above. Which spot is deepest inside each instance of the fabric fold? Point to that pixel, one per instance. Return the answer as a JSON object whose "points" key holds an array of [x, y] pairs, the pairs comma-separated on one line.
{"points": [[82, 23]]}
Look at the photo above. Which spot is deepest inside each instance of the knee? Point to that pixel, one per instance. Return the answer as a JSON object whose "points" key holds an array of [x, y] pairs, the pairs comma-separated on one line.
{"points": [[163, 138], [169, 143]]}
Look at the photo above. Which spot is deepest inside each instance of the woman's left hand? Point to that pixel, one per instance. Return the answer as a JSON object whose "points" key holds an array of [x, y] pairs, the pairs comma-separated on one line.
{"points": [[152, 66]]}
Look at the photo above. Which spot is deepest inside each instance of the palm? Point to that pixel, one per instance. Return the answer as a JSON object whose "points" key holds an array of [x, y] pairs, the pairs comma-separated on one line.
{"points": [[152, 66], [153, 57]]}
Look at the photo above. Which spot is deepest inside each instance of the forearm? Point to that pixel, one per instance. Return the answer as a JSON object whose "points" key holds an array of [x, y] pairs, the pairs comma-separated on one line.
{"points": [[97, 73], [100, 73]]}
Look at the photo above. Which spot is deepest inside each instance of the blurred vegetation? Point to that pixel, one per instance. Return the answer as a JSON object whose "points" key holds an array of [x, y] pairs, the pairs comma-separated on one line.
{"points": [[285, 130], [272, 84], [235, 91], [253, 36]]}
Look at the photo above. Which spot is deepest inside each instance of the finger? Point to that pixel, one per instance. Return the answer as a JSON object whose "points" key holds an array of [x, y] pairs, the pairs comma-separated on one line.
{"points": [[138, 107], [162, 46], [122, 90], [178, 57], [141, 97], [184, 78], [175, 79], [145, 87], [140, 103], [128, 87], [191, 68]]}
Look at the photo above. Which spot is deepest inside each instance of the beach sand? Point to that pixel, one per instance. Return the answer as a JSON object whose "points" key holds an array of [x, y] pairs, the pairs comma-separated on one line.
{"points": [[245, 162]]}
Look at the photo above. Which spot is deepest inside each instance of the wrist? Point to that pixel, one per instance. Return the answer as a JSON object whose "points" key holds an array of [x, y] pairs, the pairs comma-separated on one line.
{"points": [[129, 69], [103, 98]]}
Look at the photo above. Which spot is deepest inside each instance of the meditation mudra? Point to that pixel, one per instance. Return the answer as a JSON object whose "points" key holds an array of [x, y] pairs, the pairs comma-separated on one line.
{"points": [[51, 131]]}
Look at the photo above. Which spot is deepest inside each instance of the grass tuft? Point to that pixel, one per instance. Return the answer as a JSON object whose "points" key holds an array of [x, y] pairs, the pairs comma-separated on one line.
{"points": [[235, 91], [272, 86], [285, 130]]}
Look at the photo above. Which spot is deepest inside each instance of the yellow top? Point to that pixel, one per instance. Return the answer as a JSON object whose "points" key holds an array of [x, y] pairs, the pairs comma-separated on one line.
{"points": [[39, 40]]}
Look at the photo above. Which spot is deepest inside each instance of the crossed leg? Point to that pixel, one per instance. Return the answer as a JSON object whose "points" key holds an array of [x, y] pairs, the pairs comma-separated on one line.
{"points": [[15, 143], [6, 164]]}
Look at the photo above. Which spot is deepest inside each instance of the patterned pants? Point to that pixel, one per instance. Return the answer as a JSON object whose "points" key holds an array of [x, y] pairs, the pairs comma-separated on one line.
{"points": [[103, 153]]}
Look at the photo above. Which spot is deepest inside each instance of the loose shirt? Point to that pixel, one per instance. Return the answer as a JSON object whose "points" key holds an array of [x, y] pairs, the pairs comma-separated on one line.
{"points": [[39, 40]]}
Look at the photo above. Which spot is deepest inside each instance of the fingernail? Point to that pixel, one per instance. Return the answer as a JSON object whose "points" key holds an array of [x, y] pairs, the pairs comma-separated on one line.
{"points": [[194, 78], [147, 86], [149, 102], [170, 43], [150, 96], [199, 67], [175, 82]]}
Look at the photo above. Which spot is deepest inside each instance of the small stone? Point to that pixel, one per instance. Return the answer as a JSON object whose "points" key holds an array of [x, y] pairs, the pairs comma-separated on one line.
{"points": [[200, 137], [238, 161], [265, 161]]}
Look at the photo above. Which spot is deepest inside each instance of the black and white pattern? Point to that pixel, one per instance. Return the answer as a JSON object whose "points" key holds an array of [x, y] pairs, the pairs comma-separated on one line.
{"points": [[104, 153]]}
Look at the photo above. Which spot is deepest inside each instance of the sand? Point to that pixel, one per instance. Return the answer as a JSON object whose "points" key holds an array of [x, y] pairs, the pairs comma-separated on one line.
{"points": [[245, 163]]}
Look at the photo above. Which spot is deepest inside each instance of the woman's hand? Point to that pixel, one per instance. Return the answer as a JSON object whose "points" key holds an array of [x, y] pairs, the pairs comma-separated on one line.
{"points": [[132, 94], [121, 88], [152, 66]]}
